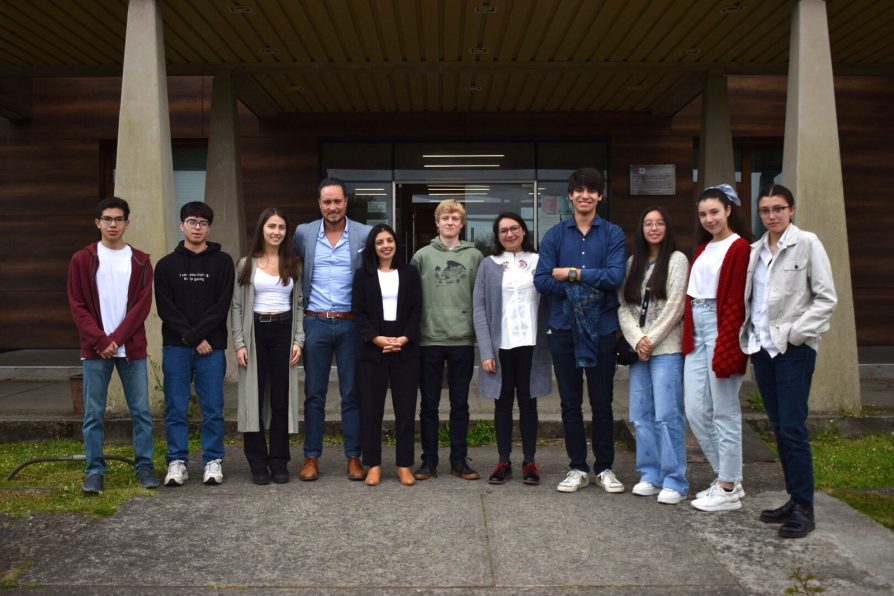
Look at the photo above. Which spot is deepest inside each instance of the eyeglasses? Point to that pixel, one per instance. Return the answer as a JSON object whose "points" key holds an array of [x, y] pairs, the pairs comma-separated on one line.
{"points": [[108, 220], [654, 224], [777, 210], [196, 223], [510, 230]]}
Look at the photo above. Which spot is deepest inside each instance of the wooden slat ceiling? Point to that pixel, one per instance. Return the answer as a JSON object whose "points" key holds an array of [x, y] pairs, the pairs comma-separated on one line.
{"points": [[447, 55]]}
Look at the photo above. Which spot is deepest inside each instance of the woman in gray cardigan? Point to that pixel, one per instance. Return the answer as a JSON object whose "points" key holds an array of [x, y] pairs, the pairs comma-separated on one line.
{"points": [[510, 325], [268, 335]]}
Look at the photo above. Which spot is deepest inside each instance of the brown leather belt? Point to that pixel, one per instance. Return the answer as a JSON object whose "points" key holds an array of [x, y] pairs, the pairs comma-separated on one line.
{"points": [[329, 314]]}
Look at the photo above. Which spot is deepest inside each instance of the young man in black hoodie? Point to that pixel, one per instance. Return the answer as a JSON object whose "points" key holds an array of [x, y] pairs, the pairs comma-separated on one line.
{"points": [[193, 291]]}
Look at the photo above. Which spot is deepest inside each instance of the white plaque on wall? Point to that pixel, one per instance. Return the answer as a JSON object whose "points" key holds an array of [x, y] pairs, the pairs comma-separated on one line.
{"points": [[653, 179]]}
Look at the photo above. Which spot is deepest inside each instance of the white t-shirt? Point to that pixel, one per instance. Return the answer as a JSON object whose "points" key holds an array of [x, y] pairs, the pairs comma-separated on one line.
{"points": [[518, 325], [389, 283], [270, 295], [706, 269], [112, 281]]}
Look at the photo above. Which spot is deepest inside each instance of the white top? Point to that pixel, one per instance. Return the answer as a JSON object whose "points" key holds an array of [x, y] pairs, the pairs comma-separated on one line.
{"points": [[706, 269], [389, 283], [760, 313], [270, 295], [112, 280], [518, 325]]}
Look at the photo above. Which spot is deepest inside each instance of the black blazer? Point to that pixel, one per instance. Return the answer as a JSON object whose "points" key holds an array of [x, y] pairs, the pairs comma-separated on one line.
{"points": [[369, 317]]}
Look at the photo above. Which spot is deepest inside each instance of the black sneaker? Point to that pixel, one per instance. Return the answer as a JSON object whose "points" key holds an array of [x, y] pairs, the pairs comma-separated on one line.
{"points": [[501, 473], [425, 471], [462, 469], [260, 476], [279, 474], [93, 484], [147, 477], [799, 524], [530, 473]]}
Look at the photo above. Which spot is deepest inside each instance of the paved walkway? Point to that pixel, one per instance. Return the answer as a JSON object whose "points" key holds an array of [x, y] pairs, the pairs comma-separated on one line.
{"points": [[451, 536], [443, 536]]}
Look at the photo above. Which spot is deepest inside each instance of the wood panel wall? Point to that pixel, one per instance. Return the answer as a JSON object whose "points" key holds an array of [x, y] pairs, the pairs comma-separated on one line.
{"points": [[52, 173]]}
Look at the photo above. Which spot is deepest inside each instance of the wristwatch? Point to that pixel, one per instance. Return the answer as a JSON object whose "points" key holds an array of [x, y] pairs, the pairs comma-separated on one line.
{"points": [[572, 274]]}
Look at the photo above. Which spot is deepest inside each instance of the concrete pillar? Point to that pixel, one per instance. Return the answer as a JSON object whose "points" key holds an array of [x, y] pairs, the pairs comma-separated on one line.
{"points": [[144, 171], [715, 156], [811, 168], [223, 181]]}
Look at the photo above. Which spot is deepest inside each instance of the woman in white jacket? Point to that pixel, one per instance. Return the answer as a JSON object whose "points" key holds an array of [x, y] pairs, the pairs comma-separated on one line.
{"points": [[789, 299]]}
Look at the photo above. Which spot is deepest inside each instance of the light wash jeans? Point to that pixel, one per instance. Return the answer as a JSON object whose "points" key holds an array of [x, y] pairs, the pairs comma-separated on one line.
{"points": [[182, 365], [712, 404], [656, 409], [134, 378]]}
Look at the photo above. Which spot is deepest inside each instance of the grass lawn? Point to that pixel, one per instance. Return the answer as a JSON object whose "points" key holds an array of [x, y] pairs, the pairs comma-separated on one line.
{"points": [[860, 472]]}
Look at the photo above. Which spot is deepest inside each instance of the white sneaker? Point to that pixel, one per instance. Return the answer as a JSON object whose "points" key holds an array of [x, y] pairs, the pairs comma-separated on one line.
{"points": [[718, 499], [669, 496], [574, 481], [608, 481], [704, 493], [645, 489], [213, 472], [177, 473]]}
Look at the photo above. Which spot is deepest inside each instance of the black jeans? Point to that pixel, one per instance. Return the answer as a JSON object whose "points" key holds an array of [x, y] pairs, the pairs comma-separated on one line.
{"points": [[600, 390], [515, 365], [372, 382], [460, 361], [272, 351]]}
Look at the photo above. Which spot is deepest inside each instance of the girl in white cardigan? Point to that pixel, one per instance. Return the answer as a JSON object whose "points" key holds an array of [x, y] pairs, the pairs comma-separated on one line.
{"points": [[651, 318]]}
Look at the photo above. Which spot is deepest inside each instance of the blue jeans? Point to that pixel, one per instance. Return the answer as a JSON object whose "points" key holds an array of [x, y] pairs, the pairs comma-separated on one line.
{"points": [[322, 339], [656, 409], [180, 365], [460, 361], [784, 383], [134, 378], [712, 404], [600, 390]]}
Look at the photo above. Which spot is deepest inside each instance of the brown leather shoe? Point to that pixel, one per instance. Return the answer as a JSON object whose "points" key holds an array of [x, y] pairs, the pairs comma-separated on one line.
{"points": [[374, 476], [406, 476], [310, 470], [355, 469]]}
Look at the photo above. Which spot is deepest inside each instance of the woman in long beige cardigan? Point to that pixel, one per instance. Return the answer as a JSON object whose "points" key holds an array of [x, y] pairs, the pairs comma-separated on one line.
{"points": [[268, 336]]}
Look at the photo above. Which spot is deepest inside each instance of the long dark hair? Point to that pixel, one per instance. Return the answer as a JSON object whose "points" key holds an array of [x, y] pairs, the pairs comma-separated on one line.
{"points": [[289, 262], [369, 256], [527, 244], [736, 221], [640, 262]]}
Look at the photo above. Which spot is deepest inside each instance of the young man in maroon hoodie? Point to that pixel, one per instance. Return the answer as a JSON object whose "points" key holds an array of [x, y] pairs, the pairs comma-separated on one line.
{"points": [[110, 294]]}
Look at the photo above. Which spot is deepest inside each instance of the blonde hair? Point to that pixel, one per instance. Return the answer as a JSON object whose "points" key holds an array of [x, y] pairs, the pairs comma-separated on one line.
{"points": [[450, 206]]}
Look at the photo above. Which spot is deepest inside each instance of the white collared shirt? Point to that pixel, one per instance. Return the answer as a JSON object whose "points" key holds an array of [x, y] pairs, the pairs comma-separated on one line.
{"points": [[760, 298], [518, 324]]}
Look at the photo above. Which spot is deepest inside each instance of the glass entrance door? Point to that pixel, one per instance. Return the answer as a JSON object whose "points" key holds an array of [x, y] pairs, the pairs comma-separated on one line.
{"points": [[483, 202]]}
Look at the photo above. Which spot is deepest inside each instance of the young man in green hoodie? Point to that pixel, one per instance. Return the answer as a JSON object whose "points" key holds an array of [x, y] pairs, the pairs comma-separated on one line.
{"points": [[447, 267]]}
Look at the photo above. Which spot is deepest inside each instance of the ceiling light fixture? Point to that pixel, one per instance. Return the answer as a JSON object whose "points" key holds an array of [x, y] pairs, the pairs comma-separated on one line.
{"points": [[296, 88], [237, 8], [461, 165], [369, 189], [486, 8], [440, 155], [690, 51], [734, 8], [270, 50], [473, 88], [478, 50]]}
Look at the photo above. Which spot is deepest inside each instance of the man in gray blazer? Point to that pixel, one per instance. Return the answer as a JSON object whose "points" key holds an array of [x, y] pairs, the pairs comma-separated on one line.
{"points": [[331, 248]]}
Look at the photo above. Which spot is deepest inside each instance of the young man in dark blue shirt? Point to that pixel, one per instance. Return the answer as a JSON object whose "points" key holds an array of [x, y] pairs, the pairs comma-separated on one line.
{"points": [[581, 267]]}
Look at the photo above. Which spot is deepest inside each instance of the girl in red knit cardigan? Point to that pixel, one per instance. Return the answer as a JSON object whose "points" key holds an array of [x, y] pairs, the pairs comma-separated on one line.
{"points": [[714, 365]]}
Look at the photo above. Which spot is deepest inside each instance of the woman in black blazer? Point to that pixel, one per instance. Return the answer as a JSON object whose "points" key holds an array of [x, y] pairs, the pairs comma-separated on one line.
{"points": [[387, 304]]}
